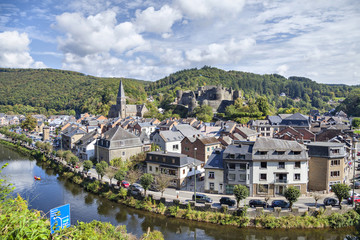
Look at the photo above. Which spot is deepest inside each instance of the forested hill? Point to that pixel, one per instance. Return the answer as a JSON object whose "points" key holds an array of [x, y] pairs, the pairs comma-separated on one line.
{"points": [[56, 90], [301, 93], [51, 91]]}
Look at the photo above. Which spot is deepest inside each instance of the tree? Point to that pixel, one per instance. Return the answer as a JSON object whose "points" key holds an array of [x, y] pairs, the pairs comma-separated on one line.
{"points": [[262, 104], [292, 194], [74, 160], [341, 191], [133, 175], [110, 172], [60, 154], [29, 123], [120, 175], [162, 182], [241, 192], [101, 168], [356, 122], [203, 113], [146, 180], [87, 165]]}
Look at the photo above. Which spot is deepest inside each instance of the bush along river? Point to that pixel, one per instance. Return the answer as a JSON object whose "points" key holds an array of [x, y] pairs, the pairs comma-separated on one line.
{"points": [[54, 190]]}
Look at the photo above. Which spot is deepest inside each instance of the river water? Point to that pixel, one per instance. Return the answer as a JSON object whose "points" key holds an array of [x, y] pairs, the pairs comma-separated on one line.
{"points": [[53, 191]]}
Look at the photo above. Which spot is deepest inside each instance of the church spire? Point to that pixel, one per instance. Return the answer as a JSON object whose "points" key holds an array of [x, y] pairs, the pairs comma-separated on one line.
{"points": [[121, 92]]}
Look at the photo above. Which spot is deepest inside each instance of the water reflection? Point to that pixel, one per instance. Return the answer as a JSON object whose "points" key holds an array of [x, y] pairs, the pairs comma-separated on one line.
{"points": [[53, 191]]}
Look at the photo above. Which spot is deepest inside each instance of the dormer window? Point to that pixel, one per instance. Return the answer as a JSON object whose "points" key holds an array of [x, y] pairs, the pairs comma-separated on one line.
{"points": [[279, 152], [232, 156], [262, 152]]}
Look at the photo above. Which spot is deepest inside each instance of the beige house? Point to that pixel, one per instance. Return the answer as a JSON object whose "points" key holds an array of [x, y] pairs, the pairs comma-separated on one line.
{"points": [[116, 143], [177, 165], [327, 165]]}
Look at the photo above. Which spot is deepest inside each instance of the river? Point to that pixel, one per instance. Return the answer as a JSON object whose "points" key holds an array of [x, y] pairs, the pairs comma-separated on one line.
{"points": [[53, 191]]}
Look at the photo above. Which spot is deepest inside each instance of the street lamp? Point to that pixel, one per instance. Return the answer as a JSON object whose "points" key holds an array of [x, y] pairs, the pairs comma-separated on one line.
{"points": [[195, 173]]}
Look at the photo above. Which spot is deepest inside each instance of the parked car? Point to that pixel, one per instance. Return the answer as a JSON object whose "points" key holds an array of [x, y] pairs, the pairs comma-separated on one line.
{"points": [[351, 199], [125, 184], [280, 203], [227, 201], [201, 198], [153, 188], [329, 201], [136, 189], [257, 203], [357, 184]]}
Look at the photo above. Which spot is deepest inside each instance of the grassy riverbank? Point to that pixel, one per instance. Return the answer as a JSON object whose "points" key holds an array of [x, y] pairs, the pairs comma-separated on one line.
{"points": [[316, 220]]}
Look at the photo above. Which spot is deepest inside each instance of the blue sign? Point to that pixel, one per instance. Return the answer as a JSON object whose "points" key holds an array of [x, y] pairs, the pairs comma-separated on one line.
{"points": [[59, 218]]}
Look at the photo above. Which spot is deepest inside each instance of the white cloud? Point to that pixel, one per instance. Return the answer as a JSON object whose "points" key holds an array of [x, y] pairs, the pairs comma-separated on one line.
{"points": [[229, 52], [159, 21], [14, 51], [202, 9], [282, 69]]}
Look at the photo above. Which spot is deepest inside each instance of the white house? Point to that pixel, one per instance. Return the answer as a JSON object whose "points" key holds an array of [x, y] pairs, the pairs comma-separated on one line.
{"points": [[168, 141]]}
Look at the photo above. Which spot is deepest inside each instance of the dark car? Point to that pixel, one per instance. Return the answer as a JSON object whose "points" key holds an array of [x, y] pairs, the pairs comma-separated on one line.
{"points": [[280, 203], [202, 198], [330, 201], [257, 203], [356, 199], [227, 201]]}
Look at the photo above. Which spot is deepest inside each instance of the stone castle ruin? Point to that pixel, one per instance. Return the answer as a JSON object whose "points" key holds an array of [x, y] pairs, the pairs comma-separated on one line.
{"points": [[217, 97]]}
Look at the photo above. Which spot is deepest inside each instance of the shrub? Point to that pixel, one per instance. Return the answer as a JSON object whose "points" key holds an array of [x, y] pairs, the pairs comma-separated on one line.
{"points": [[173, 210], [77, 179]]}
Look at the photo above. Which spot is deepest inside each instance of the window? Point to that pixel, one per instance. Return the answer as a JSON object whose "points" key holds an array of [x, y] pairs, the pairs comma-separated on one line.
{"points": [[242, 177], [281, 165], [211, 175], [297, 164], [176, 147], [156, 169], [187, 149], [263, 188], [268, 128], [150, 157], [123, 153], [335, 162], [263, 177], [231, 177], [173, 160], [242, 166], [297, 177], [335, 173], [296, 152], [262, 152], [150, 168], [263, 165], [208, 148], [335, 151], [231, 166], [211, 186], [232, 156], [268, 134], [279, 152], [183, 171]]}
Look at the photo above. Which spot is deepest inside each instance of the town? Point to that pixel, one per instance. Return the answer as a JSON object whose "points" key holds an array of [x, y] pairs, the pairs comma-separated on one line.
{"points": [[192, 160]]}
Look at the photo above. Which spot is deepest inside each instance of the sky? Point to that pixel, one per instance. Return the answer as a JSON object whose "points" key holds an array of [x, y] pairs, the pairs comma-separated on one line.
{"points": [[148, 39]]}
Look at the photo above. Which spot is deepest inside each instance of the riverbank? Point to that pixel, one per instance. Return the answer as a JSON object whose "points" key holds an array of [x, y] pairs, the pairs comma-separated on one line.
{"points": [[318, 219]]}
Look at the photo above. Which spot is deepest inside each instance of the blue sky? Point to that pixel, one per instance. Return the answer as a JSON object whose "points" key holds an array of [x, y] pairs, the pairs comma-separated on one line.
{"points": [[152, 39]]}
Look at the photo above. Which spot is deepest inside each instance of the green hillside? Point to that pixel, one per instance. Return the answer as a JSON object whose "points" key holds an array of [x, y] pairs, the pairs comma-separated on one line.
{"points": [[50, 90], [301, 93]]}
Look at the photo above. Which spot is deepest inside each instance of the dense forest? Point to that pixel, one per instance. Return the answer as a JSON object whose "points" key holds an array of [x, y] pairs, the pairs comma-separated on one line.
{"points": [[51, 91]]}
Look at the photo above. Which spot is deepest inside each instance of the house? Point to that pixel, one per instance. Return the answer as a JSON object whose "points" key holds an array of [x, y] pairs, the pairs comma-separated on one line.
{"points": [[278, 164], [262, 127], [168, 141], [85, 146], [187, 130], [246, 134], [116, 143], [177, 165], [296, 120], [144, 127], [237, 165], [199, 147], [167, 124], [301, 134], [327, 165], [70, 135], [214, 173]]}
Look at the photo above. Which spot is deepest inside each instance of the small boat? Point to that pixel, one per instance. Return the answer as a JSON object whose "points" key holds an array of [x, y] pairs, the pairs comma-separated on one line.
{"points": [[37, 178]]}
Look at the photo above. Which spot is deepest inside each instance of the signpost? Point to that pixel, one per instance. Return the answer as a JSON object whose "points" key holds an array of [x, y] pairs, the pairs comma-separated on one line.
{"points": [[60, 218]]}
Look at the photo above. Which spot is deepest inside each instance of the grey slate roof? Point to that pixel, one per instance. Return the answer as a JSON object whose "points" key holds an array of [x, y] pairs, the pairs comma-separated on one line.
{"points": [[118, 133], [87, 138], [247, 131], [171, 136], [240, 149], [215, 160], [187, 130], [277, 144], [274, 120], [184, 160]]}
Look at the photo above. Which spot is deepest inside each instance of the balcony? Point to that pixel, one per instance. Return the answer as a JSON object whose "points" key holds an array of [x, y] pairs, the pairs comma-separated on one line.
{"points": [[281, 181]]}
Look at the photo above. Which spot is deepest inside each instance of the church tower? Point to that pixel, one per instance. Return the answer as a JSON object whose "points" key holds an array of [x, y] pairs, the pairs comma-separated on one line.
{"points": [[121, 101]]}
